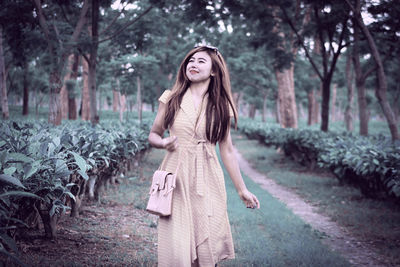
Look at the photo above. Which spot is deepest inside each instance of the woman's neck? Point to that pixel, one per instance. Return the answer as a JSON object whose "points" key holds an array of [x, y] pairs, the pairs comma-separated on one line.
{"points": [[199, 89]]}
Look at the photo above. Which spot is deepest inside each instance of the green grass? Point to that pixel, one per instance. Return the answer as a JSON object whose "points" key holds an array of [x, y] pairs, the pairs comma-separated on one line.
{"points": [[273, 235], [374, 220], [16, 114]]}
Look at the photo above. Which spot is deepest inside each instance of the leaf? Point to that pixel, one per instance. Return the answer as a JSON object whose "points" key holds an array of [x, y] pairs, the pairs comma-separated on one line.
{"points": [[10, 170], [5, 239], [19, 194], [71, 195], [18, 157], [34, 168], [11, 180], [80, 161]]}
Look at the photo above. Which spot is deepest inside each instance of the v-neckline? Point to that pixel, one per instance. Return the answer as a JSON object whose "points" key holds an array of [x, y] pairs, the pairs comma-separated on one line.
{"points": [[199, 106]]}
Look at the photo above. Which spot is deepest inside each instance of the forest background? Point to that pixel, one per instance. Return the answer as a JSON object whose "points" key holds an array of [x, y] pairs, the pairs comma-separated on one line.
{"points": [[315, 61]]}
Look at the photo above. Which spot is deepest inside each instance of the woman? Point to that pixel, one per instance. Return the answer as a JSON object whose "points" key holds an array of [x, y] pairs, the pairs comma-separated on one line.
{"points": [[197, 113]]}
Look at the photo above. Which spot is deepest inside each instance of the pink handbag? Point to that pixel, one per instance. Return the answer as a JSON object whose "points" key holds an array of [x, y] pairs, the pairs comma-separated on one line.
{"points": [[161, 191]]}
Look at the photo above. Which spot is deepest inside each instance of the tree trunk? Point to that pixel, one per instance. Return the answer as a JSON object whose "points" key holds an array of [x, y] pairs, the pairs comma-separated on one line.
{"points": [[333, 107], [3, 78], [311, 102], [316, 109], [120, 105], [115, 100], [139, 98], [360, 84], [85, 92], [252, 111], [94, 118], [326, 92], [72, 108], [264, 111], [396, 106], [25, 104], [286, 98], [64, 91], [54, 98], [348, 116], [380, 91]]}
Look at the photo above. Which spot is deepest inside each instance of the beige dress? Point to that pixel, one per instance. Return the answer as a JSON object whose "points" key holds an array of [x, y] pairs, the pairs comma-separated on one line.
{"points": [[198, 231]]}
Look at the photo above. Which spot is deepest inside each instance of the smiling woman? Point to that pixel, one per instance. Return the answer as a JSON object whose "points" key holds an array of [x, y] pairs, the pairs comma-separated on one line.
{"points": [[197, 113]]}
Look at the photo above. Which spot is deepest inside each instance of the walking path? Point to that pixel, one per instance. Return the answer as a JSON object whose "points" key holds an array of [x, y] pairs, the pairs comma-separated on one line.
{"points": [[338, 238]]}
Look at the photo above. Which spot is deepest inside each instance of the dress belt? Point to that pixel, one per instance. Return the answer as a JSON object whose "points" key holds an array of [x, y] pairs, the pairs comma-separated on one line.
{"points": [[202, 153]]}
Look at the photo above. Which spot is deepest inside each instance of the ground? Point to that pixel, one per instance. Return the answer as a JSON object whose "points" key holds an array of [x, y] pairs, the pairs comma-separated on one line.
{"points": [[119, 232], [111, 234], [356, 251]]}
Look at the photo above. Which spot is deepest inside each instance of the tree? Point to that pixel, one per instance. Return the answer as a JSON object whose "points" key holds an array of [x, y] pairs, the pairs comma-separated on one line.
{"points": [[327, 18], [59, 45]]}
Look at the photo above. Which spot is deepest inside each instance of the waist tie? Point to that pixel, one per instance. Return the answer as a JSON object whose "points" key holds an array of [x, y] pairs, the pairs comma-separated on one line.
{"points": [[202, 153]]}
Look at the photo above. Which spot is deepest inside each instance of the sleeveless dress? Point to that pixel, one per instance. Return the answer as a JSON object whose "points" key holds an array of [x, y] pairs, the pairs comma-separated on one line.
{"points": [[198, 231]]}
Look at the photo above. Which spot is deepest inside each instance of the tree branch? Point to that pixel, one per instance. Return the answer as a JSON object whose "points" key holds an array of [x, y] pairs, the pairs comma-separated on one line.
{"points": [[81, 22], [113, 21], [127, 25], [301, 41]]}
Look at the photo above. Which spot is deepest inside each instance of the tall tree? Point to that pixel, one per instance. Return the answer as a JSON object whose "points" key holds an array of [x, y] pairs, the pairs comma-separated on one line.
{"points": [[59, 46], [330, 21]]}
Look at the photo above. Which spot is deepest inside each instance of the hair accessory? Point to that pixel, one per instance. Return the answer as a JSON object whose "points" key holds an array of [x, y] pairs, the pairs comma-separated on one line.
{"points": [[213, 48]]}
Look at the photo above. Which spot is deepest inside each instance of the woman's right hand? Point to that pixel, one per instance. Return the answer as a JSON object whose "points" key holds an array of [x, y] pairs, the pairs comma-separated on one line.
{"points": [[170, 143]]}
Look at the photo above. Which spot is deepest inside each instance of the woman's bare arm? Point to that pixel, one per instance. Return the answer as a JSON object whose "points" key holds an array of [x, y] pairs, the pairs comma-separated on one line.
{"points": [[157, 131], [231, 164]]}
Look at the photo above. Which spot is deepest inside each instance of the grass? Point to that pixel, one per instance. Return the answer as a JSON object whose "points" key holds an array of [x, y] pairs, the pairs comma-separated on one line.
{"points": [[376, 221], [16, 114], [273, 235]]}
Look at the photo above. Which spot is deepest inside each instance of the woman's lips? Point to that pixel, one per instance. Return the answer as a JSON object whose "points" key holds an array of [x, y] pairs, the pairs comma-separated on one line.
{"points": [[193, 71]]}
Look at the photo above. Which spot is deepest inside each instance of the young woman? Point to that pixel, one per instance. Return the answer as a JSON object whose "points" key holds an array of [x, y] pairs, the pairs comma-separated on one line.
{"points": [[197, 113]]}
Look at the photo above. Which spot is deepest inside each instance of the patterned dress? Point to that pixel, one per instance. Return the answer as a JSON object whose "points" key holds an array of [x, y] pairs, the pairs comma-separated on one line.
{"points": [[198, 231]]}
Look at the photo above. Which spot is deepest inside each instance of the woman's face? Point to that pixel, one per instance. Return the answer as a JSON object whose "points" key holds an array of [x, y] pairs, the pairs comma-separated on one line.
{"points": [[199, 66]]}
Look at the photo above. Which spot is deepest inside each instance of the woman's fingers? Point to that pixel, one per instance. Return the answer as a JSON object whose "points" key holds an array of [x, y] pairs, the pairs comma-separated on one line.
{"points": [[251, 201], [170, 143]]}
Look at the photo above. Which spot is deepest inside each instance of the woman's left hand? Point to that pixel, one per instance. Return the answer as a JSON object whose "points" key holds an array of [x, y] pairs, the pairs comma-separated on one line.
{"points": [[249, 200]]}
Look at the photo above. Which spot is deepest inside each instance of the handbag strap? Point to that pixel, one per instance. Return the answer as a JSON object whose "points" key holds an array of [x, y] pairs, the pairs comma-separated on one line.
{"points": [[177, 166]]}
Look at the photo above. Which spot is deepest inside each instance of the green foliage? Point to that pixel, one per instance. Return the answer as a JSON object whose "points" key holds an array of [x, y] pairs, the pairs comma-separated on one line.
{"points": [[38, 161], [372, 164]]}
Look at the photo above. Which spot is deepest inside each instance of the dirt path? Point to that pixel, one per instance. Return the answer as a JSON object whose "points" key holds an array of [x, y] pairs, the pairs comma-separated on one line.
{"points": [[338, 238], [112, 234]]}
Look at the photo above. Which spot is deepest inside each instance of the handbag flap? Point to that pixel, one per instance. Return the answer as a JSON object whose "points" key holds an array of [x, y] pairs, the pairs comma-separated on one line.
{"points": [[159, 179]]}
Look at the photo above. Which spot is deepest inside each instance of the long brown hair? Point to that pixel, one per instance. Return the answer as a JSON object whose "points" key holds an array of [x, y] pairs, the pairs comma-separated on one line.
{"points": [[219, 96]]}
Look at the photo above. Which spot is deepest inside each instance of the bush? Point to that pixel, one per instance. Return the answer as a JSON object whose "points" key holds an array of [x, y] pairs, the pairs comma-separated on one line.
{"points": [[370, 163], [46, 170]]}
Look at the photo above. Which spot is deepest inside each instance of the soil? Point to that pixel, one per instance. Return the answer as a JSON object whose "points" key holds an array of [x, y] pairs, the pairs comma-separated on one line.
{"points": [[111, 234], [357, 251]]}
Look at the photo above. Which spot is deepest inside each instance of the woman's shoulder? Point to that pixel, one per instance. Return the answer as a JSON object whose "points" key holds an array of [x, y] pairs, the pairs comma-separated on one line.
{"points": [[164, 98]]}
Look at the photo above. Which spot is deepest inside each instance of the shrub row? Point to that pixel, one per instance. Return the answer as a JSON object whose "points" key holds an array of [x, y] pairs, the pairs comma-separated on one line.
{"points": [[46, 170], [370, 163]]}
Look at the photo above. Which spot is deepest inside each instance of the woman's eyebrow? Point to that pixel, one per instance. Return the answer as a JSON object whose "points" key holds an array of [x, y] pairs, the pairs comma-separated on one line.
{"points": [[193, 57]]}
